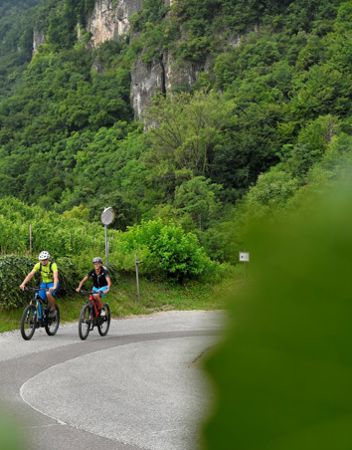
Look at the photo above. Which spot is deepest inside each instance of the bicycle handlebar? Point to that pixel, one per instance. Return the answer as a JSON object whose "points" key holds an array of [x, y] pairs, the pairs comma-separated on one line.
{"points": [[83, 291], [32, 289]]}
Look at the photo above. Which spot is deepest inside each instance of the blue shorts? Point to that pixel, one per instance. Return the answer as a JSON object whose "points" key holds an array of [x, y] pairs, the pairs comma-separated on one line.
{"points": [[44, 287], [95, 290]]}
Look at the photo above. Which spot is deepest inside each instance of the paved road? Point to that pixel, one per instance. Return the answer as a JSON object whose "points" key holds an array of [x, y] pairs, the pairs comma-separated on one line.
{"points": [[139, 388]]}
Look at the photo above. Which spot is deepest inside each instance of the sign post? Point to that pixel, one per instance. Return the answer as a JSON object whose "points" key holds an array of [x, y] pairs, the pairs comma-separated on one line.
{"points": [[244, 257], [137, 277], [107, 218]]}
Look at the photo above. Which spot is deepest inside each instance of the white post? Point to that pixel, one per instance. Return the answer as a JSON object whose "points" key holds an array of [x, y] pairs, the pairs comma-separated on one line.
{"points": [[30, 238], [137, 277], [106, 246]]}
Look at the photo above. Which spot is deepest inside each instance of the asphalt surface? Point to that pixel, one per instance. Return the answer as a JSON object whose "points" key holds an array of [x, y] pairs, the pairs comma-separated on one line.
{"points": [[141, 387]]}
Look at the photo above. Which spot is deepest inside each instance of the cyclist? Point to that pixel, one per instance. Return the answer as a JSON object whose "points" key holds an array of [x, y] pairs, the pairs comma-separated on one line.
{"points": [[49, 279], [101, 281]]}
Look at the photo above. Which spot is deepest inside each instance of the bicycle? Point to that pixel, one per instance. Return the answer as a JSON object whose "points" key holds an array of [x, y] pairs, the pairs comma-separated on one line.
{"points": [[91, 317], [37, 315]]}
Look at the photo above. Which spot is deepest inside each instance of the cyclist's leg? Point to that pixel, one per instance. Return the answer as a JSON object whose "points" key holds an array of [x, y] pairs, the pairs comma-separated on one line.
{"points": [[101, 291], [51, 296], [42, 291], [97, 294]]}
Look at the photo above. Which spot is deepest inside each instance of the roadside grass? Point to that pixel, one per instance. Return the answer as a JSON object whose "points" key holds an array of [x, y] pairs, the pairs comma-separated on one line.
{"points": [[154, 296], [9, 320]]}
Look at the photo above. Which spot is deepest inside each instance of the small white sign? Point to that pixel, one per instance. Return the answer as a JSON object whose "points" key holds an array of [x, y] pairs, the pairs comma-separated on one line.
{"points": [[244, 257], [107, 216]]}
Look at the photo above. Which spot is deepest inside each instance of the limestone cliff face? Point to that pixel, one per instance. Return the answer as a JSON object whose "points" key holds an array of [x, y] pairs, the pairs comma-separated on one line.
{"points": [[110, 19], [162, 75], [146, 81], [38, 40]]}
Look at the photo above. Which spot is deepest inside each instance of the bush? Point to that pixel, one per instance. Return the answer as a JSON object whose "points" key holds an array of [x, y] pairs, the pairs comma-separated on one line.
{"points": [[167, 250], [13, 269], [67, 274]]}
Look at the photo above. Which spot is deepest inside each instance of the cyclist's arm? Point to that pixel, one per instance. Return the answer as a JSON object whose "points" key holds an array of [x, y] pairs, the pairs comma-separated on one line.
{"points": [[28, 278], [108, 279], [56, 280], [81, 283]]}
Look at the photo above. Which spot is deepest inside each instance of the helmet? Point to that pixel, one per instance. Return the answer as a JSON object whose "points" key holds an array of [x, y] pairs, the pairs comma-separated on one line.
{"points": [[97, 259], [44, 255]]}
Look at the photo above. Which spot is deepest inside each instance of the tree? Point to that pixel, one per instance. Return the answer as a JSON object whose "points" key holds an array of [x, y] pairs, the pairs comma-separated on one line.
{"points": [[198, 198], [185, 128]]}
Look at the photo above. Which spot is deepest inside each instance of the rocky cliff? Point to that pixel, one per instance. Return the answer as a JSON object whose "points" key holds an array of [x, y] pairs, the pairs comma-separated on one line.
{"points": [[160, 76], [38, 39], [110, 19]]}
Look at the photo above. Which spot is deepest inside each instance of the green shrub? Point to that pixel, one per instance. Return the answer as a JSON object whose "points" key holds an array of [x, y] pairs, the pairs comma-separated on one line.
{"points": [[67, 274], [167, 250], [272, 190], [13, 269]]}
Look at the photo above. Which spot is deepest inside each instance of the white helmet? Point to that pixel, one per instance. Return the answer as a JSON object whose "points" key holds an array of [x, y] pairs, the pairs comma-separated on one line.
{"points": [[97, 259], [44, 255]]}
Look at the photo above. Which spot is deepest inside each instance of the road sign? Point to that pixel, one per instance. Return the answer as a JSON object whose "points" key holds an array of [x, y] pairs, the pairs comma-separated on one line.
{"points": [[107, 216], [244, 257]]}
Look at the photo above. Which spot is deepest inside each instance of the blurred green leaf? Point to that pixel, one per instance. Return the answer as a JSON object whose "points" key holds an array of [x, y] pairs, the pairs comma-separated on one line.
{"points": [[283, 373]]}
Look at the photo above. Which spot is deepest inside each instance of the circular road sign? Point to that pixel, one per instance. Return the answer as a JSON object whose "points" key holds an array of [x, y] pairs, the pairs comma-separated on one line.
{"points": [[107, 216]]}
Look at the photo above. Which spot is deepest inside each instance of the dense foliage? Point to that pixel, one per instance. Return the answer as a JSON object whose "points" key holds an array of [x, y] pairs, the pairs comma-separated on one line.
{"points": [[13, 269], [16, 36]]}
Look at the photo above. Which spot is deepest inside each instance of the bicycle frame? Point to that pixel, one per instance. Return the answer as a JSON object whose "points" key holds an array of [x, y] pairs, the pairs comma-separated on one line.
{"points": [[35, 315], [93, 302], [39, 304], [93, 316]]}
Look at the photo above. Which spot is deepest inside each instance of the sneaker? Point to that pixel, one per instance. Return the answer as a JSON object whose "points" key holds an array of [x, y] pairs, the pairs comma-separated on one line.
{"points": [[102, 313]]}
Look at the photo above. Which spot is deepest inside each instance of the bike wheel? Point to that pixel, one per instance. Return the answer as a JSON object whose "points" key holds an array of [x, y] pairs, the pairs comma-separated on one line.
{"points": [[104, 320], [28, 322], [84, 322], [52, 323]]}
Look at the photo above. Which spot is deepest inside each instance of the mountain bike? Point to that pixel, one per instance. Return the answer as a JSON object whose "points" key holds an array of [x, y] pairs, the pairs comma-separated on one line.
{"points": [[91, 317], [37, 315]]}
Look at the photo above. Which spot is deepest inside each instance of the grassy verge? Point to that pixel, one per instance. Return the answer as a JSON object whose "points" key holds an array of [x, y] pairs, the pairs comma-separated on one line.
{"points": [[155, 296]]}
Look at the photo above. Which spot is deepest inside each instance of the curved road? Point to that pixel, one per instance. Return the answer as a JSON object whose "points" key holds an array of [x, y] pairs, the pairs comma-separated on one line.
{"points": [[138, 388]]}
